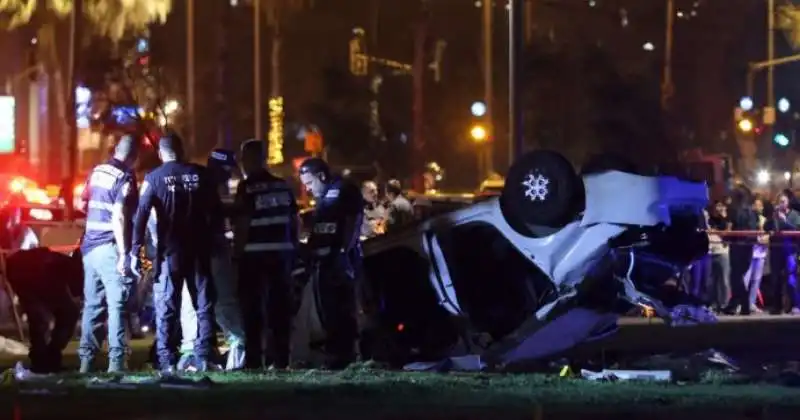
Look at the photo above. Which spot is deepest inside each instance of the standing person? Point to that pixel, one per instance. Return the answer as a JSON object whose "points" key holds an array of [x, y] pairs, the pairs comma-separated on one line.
{"points": [[265, 245], [220, 167], [399, 212], [187, 216], [719, 288], [752, 279], [336, 257], [742, 218], [783, 254], [110, 196], [374, 211]]}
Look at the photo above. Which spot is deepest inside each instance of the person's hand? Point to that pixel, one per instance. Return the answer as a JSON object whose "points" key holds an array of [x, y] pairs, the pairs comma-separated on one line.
{"points": [[135, 266], [782, 216]]}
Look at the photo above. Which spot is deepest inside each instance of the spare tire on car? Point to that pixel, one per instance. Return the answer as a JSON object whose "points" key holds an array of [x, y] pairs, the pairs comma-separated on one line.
{"points": [[541, 190]]}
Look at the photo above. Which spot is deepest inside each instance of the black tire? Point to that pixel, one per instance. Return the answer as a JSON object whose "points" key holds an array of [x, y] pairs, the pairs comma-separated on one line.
{"points": [[554, 205]]}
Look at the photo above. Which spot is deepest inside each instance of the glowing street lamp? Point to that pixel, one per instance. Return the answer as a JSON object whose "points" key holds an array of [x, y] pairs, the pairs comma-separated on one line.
{"points": [[763, 177], [478, 109], [478, 133], [746, 125]]}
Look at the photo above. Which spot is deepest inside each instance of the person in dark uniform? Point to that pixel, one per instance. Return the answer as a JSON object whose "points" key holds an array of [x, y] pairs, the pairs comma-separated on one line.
{"points": [[228, 313], [110, 197], [741, 217], [47, 284], [335, 256], [266, 230], [187, 215]]}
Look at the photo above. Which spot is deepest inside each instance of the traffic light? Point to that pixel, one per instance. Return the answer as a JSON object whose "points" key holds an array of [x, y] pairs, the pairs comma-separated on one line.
{"points": [[743, 119], [745, 125], [359, 62], [478, 133], [781, 140]]}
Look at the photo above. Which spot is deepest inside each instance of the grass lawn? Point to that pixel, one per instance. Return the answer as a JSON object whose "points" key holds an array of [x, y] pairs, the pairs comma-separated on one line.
{"points": [[361, 392], [366, 393]]}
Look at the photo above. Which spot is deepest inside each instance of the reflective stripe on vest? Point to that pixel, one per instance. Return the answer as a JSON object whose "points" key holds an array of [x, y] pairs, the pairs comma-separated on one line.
{"points": [[261, 247]]}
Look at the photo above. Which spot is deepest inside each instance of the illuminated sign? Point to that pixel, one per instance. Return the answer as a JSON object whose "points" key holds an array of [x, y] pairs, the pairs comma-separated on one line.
{"points": [[83, 111], [7, 125], [275, 137]]}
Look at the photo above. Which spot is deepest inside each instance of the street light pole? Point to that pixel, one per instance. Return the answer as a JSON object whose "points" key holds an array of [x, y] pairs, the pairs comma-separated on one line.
{"points": [[667, 84], [515, 34], [190, 86], [488, 29], [770, 52], [257, 69], [76, 37]]}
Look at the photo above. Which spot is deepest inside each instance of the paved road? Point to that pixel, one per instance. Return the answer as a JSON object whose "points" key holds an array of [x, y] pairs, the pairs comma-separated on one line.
{"points": [[764, 337]]}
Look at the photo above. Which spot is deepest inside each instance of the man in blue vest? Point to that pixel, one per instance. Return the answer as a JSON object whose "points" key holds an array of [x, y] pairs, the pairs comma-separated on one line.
{"points": [[187, 218], [111, 198], [336, 257], [265, 248]]}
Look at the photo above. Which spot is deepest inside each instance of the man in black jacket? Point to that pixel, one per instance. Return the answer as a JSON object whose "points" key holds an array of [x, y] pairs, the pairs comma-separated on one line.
{"points": [[46, 283], [742, 217]]}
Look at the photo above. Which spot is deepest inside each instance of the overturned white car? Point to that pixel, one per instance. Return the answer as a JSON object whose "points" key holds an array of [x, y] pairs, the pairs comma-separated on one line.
{"points": [[534, 272]]}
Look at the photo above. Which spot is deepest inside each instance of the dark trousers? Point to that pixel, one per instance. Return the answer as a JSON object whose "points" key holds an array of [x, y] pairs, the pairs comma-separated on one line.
{"points": [[265, 294], [740, 258], [783, 269], [336, 300], [47, 345], [173, 272]]}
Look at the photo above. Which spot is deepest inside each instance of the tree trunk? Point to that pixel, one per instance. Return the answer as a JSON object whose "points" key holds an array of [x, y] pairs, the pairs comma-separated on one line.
{"points": [[275, 61]]}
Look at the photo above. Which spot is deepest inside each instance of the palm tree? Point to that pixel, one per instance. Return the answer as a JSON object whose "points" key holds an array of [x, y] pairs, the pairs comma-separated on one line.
{"points": [[109, 18]]}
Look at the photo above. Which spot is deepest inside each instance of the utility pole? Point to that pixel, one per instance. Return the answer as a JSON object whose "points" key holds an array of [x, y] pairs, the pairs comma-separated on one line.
{"points": [[515, 46], [223, 134], [418, 75], [76, 37], [488, 29], [667, 87], [769, 110], [258, 134], [190, 86]]}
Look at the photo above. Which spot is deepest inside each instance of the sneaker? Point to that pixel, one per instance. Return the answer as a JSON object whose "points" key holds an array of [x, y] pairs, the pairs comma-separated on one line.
{"points": [[86, 366], [117, 366], [795, 311], [278, 368], [168, 371], [756, 310], [199, 364], [185, 362]]}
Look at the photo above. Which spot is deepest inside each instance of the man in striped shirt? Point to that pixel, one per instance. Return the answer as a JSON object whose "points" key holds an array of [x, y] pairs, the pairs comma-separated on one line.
{"points": [[111, 198], [265, 246]]}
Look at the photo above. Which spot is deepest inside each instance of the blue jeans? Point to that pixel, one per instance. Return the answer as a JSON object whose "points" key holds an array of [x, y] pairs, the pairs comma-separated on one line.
{"points": [[173, 272], [105, 294], [752, 279]]}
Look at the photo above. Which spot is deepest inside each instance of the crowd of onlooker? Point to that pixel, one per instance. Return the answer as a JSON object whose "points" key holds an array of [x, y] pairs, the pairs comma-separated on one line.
{"points": [[751, 266], [383, 214]]}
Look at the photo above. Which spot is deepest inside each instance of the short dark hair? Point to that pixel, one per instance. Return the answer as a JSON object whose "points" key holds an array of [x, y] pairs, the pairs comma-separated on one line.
{"points": [[394, 187], [253, 148], [171, 143], [314, 166], [125, 147]]}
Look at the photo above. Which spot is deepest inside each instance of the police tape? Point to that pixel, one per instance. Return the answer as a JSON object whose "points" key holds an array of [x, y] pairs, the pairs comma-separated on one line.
{"points": [[747, 237]]}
